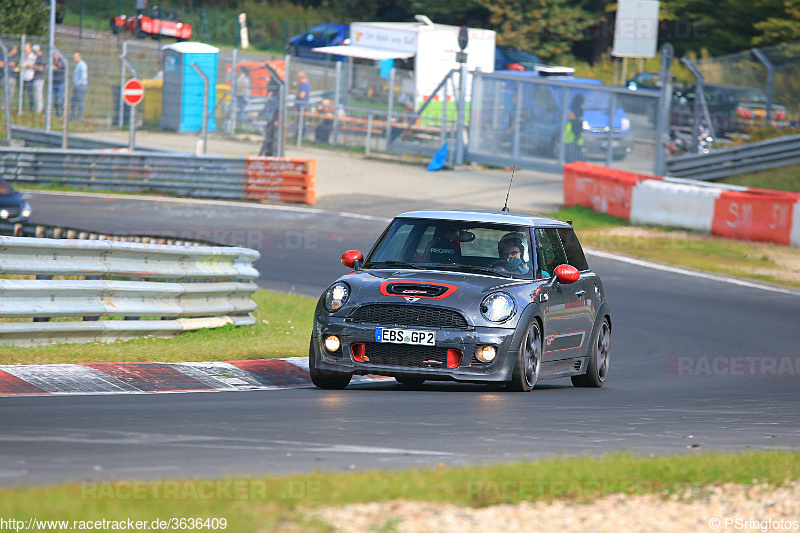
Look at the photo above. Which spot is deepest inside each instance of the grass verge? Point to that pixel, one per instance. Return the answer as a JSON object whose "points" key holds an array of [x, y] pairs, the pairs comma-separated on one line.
{"points": [[779, 179], [282, 330], [759, 261], [264, 504]]}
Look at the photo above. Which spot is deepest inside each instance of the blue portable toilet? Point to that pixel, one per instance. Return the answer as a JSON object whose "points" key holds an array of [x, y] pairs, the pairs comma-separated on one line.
{"points": [[182, 94]]}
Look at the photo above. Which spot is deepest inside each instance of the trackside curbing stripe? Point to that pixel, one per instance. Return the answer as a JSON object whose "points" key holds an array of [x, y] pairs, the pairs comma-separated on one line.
{"points": [[688, 272], [127, 378]]}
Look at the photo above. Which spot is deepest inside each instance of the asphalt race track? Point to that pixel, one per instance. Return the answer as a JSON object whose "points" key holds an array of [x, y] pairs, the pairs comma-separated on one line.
{"points": [[698, 363]]}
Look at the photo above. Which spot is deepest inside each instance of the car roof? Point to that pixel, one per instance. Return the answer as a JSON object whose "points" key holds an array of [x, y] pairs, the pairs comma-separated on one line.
{"points": [[492, 217]]}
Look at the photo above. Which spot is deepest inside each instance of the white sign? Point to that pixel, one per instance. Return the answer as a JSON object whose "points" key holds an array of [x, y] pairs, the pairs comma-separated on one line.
{"points": [[636, 29], [383, 38]]}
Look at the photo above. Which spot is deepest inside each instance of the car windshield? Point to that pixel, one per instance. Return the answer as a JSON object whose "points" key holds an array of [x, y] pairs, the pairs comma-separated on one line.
{"points": [[517, 55], [461, 246], [5, 188], [594, 99], [753, 96]]}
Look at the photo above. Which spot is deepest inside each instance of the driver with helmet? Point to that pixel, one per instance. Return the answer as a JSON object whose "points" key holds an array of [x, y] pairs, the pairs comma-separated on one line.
{"points": [[511, 249]]}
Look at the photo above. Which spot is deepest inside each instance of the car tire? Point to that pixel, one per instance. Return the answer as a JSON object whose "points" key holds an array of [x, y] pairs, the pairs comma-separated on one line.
{"points": [[409, 380], [292, 50], [529, 359], [597, 369], [325, 379]]}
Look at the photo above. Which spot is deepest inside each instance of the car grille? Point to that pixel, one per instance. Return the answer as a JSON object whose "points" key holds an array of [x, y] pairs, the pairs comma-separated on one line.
{"points": [[409, 315], [406, 355], [13, 212]]}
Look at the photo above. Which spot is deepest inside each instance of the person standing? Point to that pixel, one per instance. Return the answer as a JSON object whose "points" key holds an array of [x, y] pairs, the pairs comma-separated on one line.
{"points": [[573, 130], [303, 94], [141, 6], [269, 146], [39, 69], [28, 71], [242, 93], [58, 84], [80, 82], [8, 65]]}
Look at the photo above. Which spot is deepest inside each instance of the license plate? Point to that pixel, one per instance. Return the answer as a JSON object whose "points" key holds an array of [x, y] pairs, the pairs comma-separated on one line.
{"points": [[405, 336]]}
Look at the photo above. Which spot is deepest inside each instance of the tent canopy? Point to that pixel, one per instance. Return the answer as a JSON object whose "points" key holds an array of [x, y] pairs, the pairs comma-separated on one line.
{"points": [[363, 52]]}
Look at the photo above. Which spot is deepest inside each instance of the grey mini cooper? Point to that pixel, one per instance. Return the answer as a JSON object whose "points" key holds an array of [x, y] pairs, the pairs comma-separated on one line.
{"points": [[472, 296]]}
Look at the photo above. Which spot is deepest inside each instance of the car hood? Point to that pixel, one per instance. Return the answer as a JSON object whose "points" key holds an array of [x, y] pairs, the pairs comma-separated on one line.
{"points": [[460, 291], [12, 200]]}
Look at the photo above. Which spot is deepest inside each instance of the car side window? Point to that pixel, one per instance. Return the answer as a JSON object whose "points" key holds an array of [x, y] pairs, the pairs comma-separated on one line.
{"points": [[572, 247], [549, 251]]}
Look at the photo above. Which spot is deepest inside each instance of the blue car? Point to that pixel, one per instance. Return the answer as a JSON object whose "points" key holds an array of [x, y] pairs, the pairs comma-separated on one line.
{"points": [[13, 208], [325, 34], [542, 108]]}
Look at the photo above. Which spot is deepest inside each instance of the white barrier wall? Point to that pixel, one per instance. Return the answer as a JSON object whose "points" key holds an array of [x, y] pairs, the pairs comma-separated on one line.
{"points": [[672, 204]]}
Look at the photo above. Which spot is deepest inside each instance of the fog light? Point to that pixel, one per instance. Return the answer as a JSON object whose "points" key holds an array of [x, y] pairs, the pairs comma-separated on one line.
{"points": [[332, 343], [486, 353]]}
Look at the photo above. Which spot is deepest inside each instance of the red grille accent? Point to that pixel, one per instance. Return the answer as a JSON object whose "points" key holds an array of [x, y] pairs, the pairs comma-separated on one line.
{"points": [[454, 358]]}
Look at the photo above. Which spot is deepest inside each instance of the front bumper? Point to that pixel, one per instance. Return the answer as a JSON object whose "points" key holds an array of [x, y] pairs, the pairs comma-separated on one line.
{"points": [[463, 340]]}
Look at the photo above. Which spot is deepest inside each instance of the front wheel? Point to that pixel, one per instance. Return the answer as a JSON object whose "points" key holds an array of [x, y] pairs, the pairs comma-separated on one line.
{"points": [[325, 379], [597, 369], [529, 360]]}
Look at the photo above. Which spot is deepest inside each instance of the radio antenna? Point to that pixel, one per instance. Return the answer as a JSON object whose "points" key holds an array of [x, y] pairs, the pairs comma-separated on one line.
{"points": [[505, 207]]}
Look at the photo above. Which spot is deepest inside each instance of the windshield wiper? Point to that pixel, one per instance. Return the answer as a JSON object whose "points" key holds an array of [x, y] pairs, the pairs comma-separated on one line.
{"points": [[472, 268], [393, 264]]}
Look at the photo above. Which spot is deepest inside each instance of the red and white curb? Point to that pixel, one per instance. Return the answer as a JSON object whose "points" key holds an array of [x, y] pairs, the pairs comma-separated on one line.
{"points": [[122, 378]]}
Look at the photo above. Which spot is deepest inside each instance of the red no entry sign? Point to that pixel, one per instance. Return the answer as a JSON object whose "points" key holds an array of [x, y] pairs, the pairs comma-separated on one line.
{"points": [[133, 92]]}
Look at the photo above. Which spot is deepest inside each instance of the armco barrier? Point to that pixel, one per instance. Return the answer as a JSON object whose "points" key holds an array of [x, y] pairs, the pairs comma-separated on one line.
{"points": [[262, 178], [124, 289], [756, 215], [728, 211], [672, 204], [603, 189]]}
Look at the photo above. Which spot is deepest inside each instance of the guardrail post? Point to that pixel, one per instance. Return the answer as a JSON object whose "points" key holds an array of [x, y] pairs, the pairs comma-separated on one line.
{"points": [[337, 94], [663, 109], [770, 79], [462, 105], [6, 96], [369, 134], [610, 146]]}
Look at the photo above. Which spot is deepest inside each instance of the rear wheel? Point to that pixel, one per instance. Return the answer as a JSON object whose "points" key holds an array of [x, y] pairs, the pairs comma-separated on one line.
{"points": [[529, 360], [325, 379], [597, 370]]}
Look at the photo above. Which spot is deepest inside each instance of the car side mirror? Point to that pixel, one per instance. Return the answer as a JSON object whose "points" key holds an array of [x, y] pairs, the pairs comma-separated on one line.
{"points": [[567, 274], [352, 259]]}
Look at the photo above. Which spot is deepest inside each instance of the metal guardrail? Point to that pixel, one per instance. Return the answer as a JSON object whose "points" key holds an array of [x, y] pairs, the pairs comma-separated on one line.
{"points": [[34, 137], [258, 178], [93, 291], [764, 155]]}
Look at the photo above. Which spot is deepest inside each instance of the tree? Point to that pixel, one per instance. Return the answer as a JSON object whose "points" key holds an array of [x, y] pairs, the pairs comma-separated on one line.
{"points": [[547, 27], [23, 16], [780, 29]]}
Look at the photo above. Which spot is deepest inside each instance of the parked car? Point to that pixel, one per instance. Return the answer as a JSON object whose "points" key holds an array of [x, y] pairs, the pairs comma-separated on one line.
{"points": [[325, 34], [161, 24], [13, 208], [514, 58], [542, 111], [474, 296], [731, 109]]}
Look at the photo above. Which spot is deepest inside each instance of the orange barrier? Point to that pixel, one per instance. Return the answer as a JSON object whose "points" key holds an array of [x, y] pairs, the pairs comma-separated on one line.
{"points": [[602, 189], [281, 178], [755, 215]]}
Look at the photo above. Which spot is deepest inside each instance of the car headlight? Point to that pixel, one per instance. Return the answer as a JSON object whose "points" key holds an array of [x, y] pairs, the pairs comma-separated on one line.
{"points": [[625, 123], [26, 210], [336, 296], [497, 307]]}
